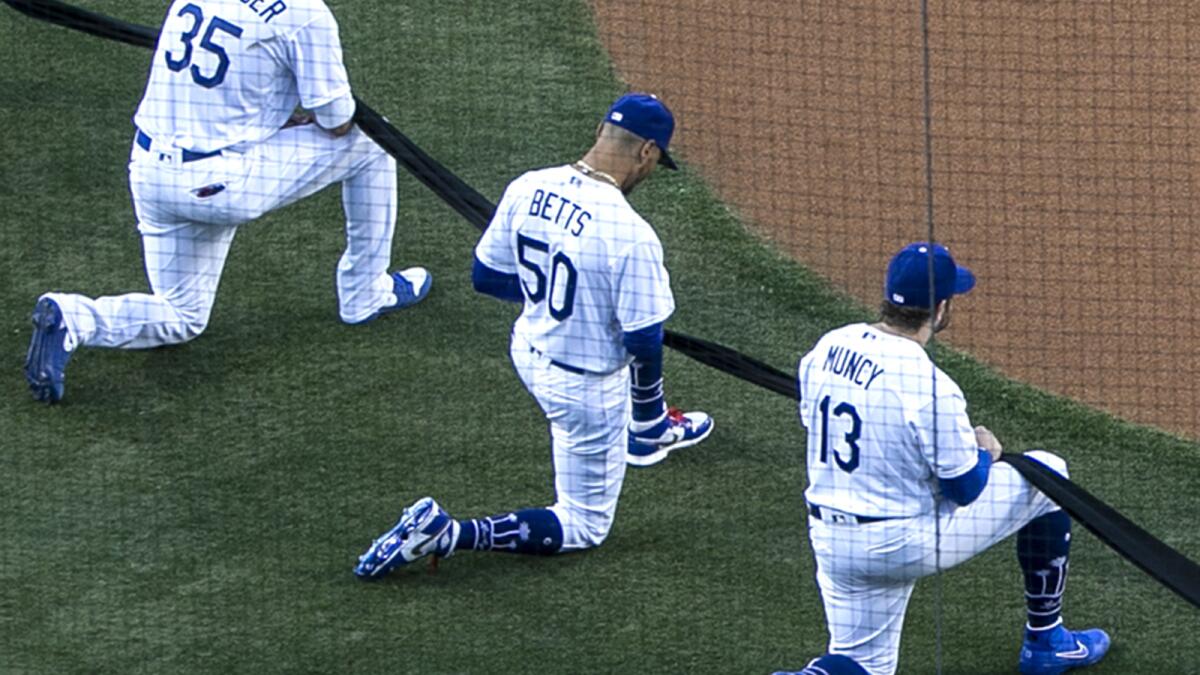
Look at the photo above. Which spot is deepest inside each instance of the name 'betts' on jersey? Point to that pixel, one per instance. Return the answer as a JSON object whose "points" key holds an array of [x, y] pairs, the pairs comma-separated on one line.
{"points": [[874, 446], [589, 265], [223, 70]]}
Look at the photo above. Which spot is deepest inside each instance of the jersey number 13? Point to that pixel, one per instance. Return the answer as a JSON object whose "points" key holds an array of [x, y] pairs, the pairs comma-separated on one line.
{"points": [[207, 43], [851, 437]]}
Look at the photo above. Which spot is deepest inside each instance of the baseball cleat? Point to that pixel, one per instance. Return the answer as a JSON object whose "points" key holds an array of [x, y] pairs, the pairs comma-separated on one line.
{"points": [[414, 536], [410, 286], [682, 430], [1060, 650], [46, 361]]}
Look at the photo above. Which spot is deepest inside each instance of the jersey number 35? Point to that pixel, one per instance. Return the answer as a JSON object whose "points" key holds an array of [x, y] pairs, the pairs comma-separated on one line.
{"points": [[207, 43]]}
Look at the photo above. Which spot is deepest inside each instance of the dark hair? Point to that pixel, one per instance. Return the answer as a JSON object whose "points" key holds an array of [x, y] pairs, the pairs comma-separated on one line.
{"points": [[909, 319]]}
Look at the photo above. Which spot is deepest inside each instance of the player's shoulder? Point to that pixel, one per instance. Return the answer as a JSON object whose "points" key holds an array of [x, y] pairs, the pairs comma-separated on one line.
{"points": [[264, 18], [631, 236], [623, 221], [547, 175], [545, 178], [300, 6], [298, 14], [850, 332], [857, 330], [529, 182], [946, 384], [641, 228], [924, 388], [839, 335], [897, 355]]}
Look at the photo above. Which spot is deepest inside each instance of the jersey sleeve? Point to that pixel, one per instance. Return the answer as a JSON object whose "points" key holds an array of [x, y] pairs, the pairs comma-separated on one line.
{"points": [[495, 247], [642, 287], [953, 451], [804, 407], [315, 51]]}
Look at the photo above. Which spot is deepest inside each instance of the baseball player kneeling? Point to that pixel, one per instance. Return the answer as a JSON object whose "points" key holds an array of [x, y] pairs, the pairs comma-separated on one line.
{"points": [[218, 143], [587, 345], [901, 486]]}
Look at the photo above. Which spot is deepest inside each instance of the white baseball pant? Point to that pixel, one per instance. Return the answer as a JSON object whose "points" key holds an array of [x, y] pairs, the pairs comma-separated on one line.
{"points": [[866, 572], [188, 213], [589, 430]]}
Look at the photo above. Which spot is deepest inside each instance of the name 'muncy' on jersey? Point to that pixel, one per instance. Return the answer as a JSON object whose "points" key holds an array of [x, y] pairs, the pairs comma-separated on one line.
{"points": [[589, 265], [233, 71], [867, 398]]}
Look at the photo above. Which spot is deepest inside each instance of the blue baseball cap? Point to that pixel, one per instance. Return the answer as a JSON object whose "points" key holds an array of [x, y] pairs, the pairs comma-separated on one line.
{"points": [[645, 116], [908, 276]]}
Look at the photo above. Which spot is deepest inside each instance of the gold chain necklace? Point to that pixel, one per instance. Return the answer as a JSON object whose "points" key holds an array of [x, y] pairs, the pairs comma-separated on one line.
{"points": [[583, 168]]}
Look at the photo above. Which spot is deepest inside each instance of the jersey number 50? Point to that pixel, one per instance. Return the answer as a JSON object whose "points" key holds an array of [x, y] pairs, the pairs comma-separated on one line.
{"points": [[852, 436], [557, 289], [206, 43]]}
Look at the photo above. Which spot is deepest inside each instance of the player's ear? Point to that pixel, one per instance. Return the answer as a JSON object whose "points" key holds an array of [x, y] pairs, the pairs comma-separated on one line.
{"points": [[646, 153], [941, 316]]}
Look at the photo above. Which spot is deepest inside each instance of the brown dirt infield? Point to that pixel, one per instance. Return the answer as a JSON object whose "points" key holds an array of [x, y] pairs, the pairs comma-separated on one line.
{"points": [[1064, 166]]}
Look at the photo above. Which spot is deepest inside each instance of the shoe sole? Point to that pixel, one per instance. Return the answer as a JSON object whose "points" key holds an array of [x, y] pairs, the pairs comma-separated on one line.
{"points": [[1063, 667], [1059, 670], [653, 458], [41, 381]]}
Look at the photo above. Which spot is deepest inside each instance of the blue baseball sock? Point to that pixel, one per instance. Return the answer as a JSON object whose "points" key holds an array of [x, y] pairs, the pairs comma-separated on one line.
{"points": [[646, 391], [531, 531], [1043, 546], [645, 375]]}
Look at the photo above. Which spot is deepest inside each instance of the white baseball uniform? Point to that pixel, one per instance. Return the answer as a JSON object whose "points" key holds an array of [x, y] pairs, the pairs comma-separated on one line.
{"points": [[884, 423], [591, 268], [226, 77]]}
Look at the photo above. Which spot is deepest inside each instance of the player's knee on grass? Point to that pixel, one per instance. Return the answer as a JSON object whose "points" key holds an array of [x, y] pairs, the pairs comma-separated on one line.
{"points": [[582, 529], [192, 322], [192, 329], [1051, 460]]}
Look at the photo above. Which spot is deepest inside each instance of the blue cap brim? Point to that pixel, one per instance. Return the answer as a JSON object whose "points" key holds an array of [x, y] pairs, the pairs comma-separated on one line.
{"points": [[666, 160], [964, 281]]}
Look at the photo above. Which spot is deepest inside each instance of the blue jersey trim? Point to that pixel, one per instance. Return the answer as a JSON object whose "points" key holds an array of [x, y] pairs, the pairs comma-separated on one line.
{"points": [[645, 343], [966, 488], [495, 283]]}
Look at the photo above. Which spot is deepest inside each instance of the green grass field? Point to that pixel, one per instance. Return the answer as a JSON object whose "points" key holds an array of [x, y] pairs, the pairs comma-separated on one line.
{"points": [[199, 509]]}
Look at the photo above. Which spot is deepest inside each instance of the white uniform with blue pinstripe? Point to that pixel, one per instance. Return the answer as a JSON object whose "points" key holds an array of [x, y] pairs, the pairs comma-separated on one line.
{"points": [[211, 154], [884, 424], [590, 269]]}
